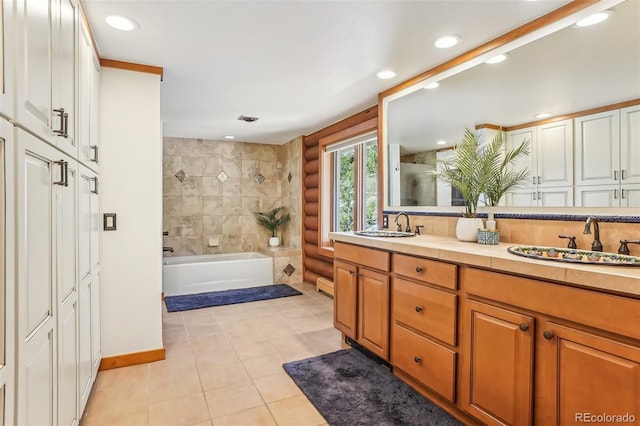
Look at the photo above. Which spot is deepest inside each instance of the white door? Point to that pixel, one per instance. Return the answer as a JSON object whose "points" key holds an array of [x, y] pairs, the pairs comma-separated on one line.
{"points": [[96, 324], [555, 154], [67, 294], [598, 196], [597, 159], [515, 138], [84, 366], [7, 58], [630, 144], [38, 173]]}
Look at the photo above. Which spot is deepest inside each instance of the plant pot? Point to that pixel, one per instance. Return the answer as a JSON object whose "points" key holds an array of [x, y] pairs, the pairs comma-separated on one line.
{"points": [[274, 242], [467, 228]]}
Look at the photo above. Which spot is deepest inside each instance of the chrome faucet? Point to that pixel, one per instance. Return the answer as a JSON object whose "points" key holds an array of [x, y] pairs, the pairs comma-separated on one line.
{"points": [[169, 249], [596, 245], [400, 226]]}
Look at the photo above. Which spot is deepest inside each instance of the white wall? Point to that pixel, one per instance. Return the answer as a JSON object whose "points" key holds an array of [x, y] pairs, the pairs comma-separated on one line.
{"points": [[131, 174]]}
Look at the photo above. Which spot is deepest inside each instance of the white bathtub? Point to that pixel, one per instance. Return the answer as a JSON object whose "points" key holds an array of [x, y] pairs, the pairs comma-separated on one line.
{"points": [[215, 272]]}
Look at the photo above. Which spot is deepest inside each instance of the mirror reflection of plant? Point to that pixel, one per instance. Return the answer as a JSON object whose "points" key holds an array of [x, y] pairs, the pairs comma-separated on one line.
{"points": [[476, 168], [271, 221]]}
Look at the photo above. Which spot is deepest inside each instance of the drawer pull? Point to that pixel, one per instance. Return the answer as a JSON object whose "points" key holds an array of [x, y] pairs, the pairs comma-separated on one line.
{"points": [[548, 335], [419, 269], [524, 327], [419, 308], [351, 272], [417, 359]]}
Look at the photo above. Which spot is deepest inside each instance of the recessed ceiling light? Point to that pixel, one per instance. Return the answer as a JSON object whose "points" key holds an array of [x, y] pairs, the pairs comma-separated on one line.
{"points": [[385, 74], [496, 59], [441, 143], [543, 115], [596, 18], [433, 85], [447, 41], [122, 23], [229, 137]]}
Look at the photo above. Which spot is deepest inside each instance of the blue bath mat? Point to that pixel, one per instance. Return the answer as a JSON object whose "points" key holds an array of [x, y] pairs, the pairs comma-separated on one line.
{"points": [[228, 297]]}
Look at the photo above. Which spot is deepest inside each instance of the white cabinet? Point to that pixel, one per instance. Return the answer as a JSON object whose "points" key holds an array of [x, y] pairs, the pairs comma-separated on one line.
{"points": [[88, 83], [46, 46], [608, 158], [540, 197], [89, 298], [7, 59]]}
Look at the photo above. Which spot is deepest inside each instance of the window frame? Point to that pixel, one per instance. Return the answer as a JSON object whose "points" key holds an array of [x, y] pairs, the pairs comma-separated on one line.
{"points": [[325, 178]]}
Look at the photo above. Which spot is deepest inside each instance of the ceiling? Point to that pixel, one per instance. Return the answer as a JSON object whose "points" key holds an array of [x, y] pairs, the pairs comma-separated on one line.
{"points": [[298, 65]]}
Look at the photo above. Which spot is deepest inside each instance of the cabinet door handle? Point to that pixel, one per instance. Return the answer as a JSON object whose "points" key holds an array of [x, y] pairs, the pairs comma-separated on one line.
{"points": [[623, 194], [358, 274], [534, 196], [95, 183], [95, 153], [351, 272], [548, 335], [66, 125], [64, 170], [538, 180], [623, 174], [524, 327], [615, 175], [419, 309], [417, 359], [615, 194], [419, 269], [60, 132]]}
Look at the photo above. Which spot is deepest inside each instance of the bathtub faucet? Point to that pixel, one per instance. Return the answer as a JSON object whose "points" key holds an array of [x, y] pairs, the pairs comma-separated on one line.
{"points": [[169, 249]]}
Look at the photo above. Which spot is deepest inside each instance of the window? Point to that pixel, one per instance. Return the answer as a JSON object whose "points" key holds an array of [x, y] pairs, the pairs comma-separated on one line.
{"points": [[349, 184]]}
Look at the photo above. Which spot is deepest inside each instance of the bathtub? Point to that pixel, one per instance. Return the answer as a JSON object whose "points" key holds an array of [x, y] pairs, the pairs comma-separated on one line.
{"points": [[215, 272]]}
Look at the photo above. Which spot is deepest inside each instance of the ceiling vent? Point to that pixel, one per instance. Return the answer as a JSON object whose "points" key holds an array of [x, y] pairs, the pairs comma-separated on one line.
{"points": [[248, 119]]}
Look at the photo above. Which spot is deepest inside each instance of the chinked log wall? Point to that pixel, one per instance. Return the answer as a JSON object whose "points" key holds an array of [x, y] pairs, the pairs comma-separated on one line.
{"points": [[314, 264]]}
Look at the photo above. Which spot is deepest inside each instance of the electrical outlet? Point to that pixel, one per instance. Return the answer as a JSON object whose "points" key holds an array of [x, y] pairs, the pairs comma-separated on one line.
{"points": [[385, 221]]}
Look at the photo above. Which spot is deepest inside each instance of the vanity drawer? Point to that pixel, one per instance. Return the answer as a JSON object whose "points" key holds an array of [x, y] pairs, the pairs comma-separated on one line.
{"points": [[431, 271], [426, 361], [425, 309], [364, 256]]}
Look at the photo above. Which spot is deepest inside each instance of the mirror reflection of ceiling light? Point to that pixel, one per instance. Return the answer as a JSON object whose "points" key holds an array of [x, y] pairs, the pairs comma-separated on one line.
{"points": [[447, 41], [441, 143], [122, 23], [385, 74], [496, 59], [229, 137], [543, 115], [432, 86], [596, 18]]}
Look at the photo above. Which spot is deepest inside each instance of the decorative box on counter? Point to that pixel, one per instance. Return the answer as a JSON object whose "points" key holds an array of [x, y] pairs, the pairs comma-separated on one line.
{"points": [[486, 236]]}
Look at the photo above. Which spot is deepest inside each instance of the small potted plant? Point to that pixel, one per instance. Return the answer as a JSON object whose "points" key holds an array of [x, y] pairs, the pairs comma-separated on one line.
{"points": [[272, 221], [481, 171]]}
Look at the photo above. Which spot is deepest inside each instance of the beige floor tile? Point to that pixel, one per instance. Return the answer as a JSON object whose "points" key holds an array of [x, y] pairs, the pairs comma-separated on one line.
{"points": [[264, 365], [295, 411], [177, 384], [257, 416], [122, 376], [207, 423], [199, 317], [197, 331], [176, 334], [133, 415], [185, 411], [172, 366], [276, 387], [249, 347], [122, 396], [232, 399], [219, 375]]}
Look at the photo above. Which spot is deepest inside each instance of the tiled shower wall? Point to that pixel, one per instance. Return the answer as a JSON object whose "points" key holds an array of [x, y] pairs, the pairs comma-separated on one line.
{"points": [[213, 188]]}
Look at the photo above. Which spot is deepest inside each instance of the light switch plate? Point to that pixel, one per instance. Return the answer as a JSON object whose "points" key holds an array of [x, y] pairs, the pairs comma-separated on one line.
{"points": [[109, 222]]}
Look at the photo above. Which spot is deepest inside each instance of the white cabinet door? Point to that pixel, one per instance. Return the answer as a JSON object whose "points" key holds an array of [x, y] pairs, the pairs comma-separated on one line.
{"points": [[555, 154], [630, 195], [516, 138], [46, 88], [84, 366], [597, 146], [525, 198], [85, 222], [67, 315], [598, 196], [630, 145], [7, 58], [555, 197], [95, 223], [96, 324], [88, 83], [38, 173]]}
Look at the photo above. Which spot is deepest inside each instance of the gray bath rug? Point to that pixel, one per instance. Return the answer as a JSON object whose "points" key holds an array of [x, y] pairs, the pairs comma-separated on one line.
{"points": [[348, 388]]}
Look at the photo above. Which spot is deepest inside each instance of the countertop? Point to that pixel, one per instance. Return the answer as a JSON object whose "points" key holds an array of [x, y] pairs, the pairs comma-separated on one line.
{"points": [[617, 279]]}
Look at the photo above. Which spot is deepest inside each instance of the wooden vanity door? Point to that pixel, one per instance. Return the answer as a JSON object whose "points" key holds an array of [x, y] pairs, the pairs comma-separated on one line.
{"points": [[345, 293], [584, 375]]}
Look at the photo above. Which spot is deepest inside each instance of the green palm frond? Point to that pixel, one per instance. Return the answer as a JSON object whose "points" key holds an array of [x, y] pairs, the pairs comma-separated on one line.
{"points": [[271, 221]]}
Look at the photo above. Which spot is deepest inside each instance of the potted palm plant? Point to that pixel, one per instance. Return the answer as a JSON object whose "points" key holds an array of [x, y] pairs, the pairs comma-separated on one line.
{"points": [[481, 171], [273, 220]]}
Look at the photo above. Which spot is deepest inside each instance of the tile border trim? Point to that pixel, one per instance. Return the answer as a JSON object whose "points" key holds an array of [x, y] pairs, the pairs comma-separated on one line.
{"points": [[531, 216]]}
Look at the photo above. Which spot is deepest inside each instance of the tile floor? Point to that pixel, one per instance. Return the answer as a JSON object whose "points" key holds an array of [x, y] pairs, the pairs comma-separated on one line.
{"points": [[223, 367]]}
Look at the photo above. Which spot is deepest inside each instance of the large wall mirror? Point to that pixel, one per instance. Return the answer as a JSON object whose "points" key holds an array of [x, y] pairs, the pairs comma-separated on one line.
{"points": [[571, 73]]}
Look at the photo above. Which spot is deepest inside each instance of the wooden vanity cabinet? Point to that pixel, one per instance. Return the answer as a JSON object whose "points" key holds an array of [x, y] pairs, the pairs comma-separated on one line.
{"points": [[583, 345], [361, 296]]}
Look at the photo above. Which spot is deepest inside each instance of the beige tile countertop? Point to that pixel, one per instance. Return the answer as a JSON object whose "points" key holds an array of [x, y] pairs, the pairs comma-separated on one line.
{"points": [[618, 279]]}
